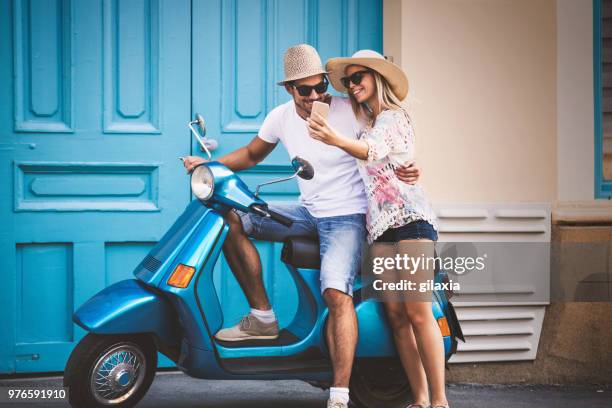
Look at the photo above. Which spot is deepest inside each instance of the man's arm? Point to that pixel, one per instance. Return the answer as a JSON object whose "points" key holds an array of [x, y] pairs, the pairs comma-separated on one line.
{"points": [[249, 155], [240, 159], [409, 173]]}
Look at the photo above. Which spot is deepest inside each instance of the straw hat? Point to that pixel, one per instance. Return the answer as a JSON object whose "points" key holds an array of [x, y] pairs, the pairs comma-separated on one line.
{"points": [[301, 61], [392, 73]]}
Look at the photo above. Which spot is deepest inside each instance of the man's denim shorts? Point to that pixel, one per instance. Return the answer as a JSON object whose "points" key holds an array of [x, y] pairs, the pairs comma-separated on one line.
{"points": [[341, 240]]}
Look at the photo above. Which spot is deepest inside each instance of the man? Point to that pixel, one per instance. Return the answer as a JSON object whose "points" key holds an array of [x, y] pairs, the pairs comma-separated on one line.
{"points": [[332, 208]]}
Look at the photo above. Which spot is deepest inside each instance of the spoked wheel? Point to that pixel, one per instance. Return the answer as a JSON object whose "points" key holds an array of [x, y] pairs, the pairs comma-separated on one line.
{"points": [[378, 384], [110, 371]]}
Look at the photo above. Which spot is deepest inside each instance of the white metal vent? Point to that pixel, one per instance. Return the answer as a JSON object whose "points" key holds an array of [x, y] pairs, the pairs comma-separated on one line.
{"points": [[501, 322]]}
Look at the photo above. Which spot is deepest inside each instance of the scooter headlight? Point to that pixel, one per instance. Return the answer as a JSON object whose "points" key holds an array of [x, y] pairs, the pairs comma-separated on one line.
{"points": [[202, 182]]}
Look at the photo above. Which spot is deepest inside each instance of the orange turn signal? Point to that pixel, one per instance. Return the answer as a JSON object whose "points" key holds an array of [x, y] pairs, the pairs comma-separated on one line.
{"points": [[181, 276], [443, 323]]}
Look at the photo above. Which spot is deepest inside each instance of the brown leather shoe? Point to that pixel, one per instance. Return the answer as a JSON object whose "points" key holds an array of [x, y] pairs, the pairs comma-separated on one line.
{"points": [[249, 328]]}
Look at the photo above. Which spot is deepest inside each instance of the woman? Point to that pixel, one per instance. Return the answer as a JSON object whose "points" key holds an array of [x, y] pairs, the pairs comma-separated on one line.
{"points": [[397, 212]]}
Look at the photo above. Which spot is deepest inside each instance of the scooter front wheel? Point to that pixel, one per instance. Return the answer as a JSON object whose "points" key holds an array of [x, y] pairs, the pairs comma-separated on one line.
{"points": [[110, 370]]}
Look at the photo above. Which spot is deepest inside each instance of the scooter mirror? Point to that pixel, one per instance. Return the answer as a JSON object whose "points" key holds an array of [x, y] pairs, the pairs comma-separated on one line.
{"points": [[303, 168], [201, 124]]}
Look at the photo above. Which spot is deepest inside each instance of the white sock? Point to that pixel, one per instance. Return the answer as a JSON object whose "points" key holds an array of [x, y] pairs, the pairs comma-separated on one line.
{"points": [[264, 316], [339, 393]]}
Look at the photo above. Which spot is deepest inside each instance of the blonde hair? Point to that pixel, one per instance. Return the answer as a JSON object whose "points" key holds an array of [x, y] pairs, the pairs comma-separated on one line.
{"points": [[387, 100]]}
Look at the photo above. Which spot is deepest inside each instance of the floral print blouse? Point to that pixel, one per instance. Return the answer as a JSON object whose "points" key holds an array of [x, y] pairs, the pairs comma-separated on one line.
{"points": [[391, 202]]}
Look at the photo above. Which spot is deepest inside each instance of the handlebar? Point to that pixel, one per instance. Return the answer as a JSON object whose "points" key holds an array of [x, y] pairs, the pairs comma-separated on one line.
{"points": [[266, 212], [287, 222]]}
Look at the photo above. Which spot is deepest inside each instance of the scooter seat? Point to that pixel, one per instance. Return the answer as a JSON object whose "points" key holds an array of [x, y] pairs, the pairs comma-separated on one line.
{"points": [[301, 253]]}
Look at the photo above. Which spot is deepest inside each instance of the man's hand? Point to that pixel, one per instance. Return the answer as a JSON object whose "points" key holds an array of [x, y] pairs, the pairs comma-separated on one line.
{"points": [[409, 173], [191, 162]]}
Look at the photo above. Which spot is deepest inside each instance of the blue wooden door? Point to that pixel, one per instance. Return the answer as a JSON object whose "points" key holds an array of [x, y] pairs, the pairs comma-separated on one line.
{"points": [[95, 96], [238, 48]]}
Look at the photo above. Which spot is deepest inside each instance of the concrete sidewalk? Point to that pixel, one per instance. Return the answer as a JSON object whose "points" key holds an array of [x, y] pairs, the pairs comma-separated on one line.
{"points": [[180, 391]]}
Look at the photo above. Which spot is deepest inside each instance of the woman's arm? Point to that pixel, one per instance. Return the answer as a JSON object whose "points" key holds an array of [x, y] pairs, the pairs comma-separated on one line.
{"points": [[320, 130], [376, 143], [356, 148]]}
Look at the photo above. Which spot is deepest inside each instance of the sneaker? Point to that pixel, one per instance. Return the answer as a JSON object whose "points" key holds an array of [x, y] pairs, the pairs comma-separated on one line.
{"points": [[249, 328], [336, 403]]}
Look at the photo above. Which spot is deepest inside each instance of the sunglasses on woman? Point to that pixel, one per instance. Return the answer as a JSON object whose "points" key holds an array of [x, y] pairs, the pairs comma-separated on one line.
{"points": [[305, 90], [355, 78]]}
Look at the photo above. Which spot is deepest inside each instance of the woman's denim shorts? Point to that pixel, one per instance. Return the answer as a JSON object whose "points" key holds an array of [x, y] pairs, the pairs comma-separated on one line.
{"points": [[415, 230]]}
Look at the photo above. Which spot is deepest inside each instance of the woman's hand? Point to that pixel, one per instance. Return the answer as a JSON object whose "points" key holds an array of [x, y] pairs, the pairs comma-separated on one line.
{"points": [[319, 129], [191, 162]]}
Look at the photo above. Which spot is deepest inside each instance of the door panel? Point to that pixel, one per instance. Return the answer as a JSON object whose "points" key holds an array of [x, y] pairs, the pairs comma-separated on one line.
{"points": [[97, 115]]}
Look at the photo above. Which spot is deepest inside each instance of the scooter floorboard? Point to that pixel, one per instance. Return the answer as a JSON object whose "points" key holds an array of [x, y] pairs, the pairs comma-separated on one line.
{"points": [[309, 361], [285, 337]]}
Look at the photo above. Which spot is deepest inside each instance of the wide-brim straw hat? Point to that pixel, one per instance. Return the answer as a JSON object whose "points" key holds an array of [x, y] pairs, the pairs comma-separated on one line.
{"points": [[301, 61], [395, 76]]}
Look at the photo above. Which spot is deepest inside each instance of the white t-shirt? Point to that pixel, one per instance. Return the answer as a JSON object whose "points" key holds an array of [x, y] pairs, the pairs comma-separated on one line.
{"points": [[336, 188]]}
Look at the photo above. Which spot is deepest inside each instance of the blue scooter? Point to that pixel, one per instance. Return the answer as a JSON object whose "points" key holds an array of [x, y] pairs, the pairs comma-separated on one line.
{"points": [[172, 307]]}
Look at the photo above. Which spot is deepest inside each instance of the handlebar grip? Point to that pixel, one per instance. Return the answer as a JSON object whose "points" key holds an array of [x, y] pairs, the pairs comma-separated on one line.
{"points": [[281, 219]]}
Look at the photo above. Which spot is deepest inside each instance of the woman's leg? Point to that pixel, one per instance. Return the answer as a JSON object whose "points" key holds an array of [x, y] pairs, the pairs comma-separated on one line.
{"points": [[426, 331], [406, 345], [430, 346], [417, 308]]}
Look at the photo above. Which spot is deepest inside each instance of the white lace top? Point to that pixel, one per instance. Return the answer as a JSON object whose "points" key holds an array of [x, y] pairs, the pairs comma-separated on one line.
{"points": [[391, 202]]}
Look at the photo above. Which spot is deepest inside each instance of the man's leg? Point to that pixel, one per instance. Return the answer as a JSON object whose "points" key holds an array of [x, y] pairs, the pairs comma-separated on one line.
{"points": [[244, 261], [342, 239], [341, 335]]}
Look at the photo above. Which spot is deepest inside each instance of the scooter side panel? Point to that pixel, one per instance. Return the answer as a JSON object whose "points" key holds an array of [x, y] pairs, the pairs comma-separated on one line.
{"points": [[375, 338], [437, 307], [373, 325], [129, 306]]}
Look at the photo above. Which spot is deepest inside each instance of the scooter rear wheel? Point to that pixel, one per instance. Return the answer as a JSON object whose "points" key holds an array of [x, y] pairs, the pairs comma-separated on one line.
{"points": [[110, 371], [379, 384]]}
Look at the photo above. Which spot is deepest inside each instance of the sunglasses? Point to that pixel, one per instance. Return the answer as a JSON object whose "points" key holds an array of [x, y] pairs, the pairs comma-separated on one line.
{"points": [[355, 78], [305, 90]]}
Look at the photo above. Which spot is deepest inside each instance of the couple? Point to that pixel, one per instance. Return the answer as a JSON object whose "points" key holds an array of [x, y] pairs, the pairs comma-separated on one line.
{"points": [[345, 197]]}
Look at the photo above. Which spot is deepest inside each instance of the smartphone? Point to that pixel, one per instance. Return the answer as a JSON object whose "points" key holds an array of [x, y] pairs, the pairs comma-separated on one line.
{"points": [[320, 108]]}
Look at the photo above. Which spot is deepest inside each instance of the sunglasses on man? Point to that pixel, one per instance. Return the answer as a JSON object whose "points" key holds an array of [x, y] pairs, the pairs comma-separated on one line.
{"points": [[305, 90], [355, 78]]}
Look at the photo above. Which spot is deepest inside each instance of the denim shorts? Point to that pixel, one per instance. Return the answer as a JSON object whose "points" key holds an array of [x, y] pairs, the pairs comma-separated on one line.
{"points": [[341, 240], [419, 229]]}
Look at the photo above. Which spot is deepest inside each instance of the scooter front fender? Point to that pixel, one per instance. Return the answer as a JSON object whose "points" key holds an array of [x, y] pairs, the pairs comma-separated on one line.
{"points": [[129, 306]]}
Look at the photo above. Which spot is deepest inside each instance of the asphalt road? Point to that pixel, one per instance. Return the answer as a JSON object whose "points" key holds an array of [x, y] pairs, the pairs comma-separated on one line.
{"points": [[173, 389]]}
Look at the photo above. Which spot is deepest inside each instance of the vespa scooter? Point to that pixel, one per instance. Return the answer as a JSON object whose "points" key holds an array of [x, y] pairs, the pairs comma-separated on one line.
{"points": [[172, 307]]}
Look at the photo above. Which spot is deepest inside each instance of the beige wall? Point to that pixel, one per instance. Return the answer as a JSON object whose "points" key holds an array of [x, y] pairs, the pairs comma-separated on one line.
{"points": [[483, 95], [575, 128]]}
